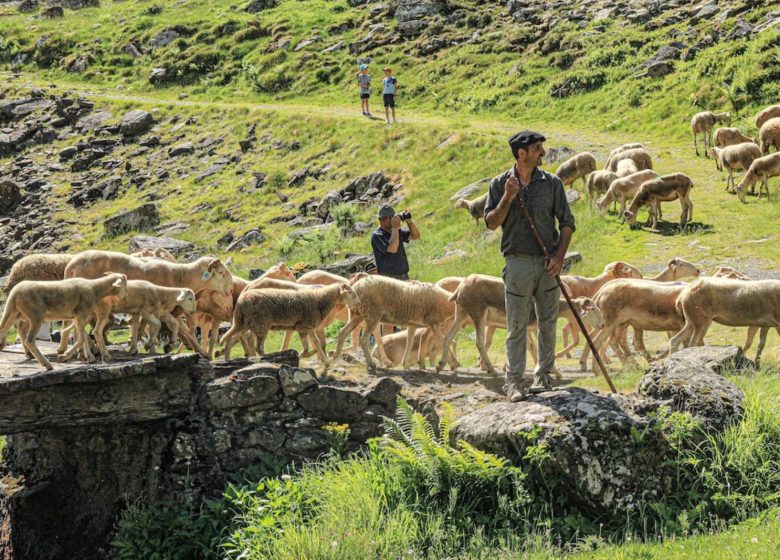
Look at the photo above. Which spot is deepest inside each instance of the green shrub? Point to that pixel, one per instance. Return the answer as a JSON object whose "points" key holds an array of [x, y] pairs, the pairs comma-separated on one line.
{"points": [[344, 215]]}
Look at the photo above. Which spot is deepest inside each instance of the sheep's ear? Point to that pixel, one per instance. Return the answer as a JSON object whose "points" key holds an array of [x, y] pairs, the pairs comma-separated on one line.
{"points": [[672, 264], [182, 296], [214, 264], [119, 282]]}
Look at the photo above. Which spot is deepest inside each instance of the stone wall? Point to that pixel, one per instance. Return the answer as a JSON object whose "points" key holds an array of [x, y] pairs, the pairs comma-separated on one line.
{"points": [[87, 442]]}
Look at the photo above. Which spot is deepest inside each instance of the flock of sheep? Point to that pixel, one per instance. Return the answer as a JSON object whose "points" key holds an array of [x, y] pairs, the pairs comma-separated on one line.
{"points": [[153, 290], [93, 286]]}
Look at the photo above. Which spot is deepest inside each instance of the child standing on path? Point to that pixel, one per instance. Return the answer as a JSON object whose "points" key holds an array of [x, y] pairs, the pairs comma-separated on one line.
{"points": [[364, 85], [389, 89]]}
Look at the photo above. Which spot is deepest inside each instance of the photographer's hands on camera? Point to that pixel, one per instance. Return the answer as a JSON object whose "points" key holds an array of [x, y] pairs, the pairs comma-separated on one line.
{"points": [[554, 263], [395, 221]]}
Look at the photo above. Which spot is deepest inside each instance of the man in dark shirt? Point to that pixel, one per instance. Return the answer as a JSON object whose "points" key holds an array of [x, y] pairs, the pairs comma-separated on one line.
{"points": [[529, 279], [388, 240]]}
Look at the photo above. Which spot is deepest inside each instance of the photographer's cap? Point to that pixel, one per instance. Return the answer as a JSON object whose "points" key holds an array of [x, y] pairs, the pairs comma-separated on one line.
{"points": [[524, 139], [385, 211]]}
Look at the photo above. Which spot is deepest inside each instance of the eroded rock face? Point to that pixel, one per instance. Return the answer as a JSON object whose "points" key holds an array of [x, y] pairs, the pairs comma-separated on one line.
{"points": [[691, 380], [412, 15], [142, 218], [596, 458], [10, 196]]}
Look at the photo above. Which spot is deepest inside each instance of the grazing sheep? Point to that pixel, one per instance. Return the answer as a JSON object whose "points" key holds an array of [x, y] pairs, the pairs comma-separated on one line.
{"points": [[735, 303], [769, 135], [625, 167], [729, 136], [598, 183], [624, 189], [623, 148], [263, 310], [639, 156], [206, 273], [405, 304], [73, 299], [476, 207], [762, 168], [663, 189], [769, 113], [159, 253], [576, 167], [143, 301], [737, 156], [702, 123]]}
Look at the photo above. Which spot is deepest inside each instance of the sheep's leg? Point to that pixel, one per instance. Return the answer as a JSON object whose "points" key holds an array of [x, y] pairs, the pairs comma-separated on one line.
{"points": [[154, 330], [751, 334], [449, 337], [686, 333], [78, 345], [354, 321], [575, 335], [602, 335], [11, 318], [319, 349], [135, 333], [287, 339], [64, 336], [761, 343], [380, 345], [479, 326], [565, 332], [99, 338], [695, 145], [422, 351], [261, 335], [35, 326], [409, 344], [363, 344]]}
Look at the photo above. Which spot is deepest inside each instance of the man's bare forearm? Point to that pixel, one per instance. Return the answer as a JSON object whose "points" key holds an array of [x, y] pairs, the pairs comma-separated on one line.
{"points": [[414, 233], [496, 217], [395, 239]]}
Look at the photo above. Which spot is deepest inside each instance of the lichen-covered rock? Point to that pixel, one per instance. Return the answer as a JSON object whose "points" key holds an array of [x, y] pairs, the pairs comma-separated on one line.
{"points": [[249, 386], [296, 380], [333, 404], [601, 454], [691, 380], [136, 122], [144, 217]]}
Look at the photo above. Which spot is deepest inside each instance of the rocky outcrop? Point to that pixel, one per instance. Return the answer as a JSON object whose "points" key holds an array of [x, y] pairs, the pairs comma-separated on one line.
{"points": [[413, 15], [10, 196], [607, 453], [143, 218], [135, 122], [85, 442], [176, 247]]}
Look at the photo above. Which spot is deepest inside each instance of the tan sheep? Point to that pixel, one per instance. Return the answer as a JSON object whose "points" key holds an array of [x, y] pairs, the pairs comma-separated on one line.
{"points": [[598, 183], [729, 136], [263, 310], [41, 266], [735, 303], [576, 167], [395, 344], [732, 158], [762, 168], [624, 189], [626, 167], [61, 300], [769, 135], [143, 301], [639, 156], [623, 148], [663, 189], [206, 273], [475, 207], [765, 114], [703, 123], [394, 302]]}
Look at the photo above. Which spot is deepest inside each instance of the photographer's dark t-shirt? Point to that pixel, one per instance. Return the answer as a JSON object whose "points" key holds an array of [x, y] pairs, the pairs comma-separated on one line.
{"points": [[390, 264]]}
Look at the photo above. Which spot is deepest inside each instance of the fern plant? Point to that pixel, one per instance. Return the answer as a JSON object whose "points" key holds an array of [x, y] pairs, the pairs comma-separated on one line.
{"points": [[472, 486]]}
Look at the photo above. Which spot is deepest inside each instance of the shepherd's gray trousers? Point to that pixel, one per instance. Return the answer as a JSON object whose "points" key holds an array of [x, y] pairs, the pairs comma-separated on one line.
{"points": [[529, 287]]}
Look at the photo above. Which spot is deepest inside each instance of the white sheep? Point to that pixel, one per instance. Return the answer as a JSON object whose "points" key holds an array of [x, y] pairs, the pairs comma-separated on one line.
{"points": [[663, 189], [639, 156], [734, 157], [475, 207], [598, 183], [768, 113], [74, 299], [626, 167], [268, 309], [576, 167], [762, 168], [702, 123], [619, 150], [394, 302], [726, 136], [769, 135], [624, 189], [735, 303]]}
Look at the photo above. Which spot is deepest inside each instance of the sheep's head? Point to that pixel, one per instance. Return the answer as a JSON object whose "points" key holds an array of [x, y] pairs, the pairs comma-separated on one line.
{"points": [[740, 190], [119, 285], [622, 269], [682, 269], [462, 203], [347, 296], [216, 275], [601, 203], [729, 272], [186, 300], [630, 217], [590, 312], [727, 119], [357, 276], [280, 271]]}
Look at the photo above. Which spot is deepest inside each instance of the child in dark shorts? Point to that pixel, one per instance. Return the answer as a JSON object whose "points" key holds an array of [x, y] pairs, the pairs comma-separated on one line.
{"points": [[389, 90]]}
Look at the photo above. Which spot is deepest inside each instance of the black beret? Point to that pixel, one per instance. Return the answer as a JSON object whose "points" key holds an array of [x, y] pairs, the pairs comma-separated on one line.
{"points": [[525, 138]]}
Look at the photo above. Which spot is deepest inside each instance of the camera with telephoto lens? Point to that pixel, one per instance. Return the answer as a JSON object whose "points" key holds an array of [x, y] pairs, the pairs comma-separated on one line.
{"points": [[405, 215]]}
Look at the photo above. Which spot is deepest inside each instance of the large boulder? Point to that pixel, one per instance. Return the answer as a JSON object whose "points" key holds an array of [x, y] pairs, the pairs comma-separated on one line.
{"points": [[79, 4], [136, 122], [142, 218], [412, 14], [176, 247], [601, 455], [691, 380]]}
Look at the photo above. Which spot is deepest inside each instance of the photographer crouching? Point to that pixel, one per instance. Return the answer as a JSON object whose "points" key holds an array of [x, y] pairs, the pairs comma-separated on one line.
{"points": [[388, 240]]}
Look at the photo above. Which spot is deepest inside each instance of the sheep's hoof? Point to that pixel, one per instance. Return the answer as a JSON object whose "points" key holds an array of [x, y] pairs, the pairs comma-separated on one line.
{"points": [[105, 359], [62, 358], [48, 366]]}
